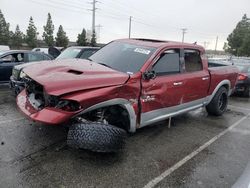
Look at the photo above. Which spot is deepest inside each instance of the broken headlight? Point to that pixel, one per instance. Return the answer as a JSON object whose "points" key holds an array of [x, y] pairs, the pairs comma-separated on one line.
{"points": [[63, 104], [68, 105], [22, 75], [15, 73]]}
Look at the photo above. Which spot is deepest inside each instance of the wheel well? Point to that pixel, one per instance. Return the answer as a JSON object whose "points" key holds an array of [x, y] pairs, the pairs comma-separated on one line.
{"points": [[116, 115], [226, 86]]}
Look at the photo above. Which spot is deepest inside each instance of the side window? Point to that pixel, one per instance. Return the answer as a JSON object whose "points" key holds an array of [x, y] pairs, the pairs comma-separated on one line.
{"points": [[87, 53], [7, 59], [193, 60], [35, 57], [16, 57], [168, 63], [20, 57]]}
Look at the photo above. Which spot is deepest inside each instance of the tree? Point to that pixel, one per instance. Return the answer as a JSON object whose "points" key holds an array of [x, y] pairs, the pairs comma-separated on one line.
{"points": [[238, 37], [245, 48], [48, 31], [4, 30], [17, 38], [61, 38], [93, 39], [31, 34], [81, 38]]}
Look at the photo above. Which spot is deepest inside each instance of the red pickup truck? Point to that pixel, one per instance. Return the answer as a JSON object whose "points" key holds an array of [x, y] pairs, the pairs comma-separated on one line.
{"points": [[128, 84]]}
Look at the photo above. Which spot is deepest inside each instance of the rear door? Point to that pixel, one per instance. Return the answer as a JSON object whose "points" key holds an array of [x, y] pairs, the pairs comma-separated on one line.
{"points": [[197, 78], [166, 91], [7, 63]]}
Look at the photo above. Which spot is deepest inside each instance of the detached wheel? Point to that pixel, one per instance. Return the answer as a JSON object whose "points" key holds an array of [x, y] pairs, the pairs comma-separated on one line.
{"points": [[218, 105], [96, 137]]}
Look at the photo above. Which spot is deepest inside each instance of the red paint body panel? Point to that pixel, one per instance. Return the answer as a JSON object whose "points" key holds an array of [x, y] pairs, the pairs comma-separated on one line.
{"points": [[217, 74], [91, 83], [73, 75]]}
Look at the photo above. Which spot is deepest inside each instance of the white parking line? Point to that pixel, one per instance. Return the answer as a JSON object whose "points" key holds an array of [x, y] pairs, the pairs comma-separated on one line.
{"points": [[238, 107], [9, 121], [169, 171]]}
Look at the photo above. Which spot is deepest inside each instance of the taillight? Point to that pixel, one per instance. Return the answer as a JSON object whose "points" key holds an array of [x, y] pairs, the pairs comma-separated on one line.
{"points": [[242, 76]]}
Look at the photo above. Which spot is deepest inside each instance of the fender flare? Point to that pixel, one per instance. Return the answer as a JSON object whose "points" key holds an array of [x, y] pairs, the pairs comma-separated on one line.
{"points": [[222, 83], [118, 101]]}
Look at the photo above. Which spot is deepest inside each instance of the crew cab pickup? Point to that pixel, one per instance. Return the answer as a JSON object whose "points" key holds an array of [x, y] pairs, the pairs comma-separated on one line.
{"points": [[126, 85]]}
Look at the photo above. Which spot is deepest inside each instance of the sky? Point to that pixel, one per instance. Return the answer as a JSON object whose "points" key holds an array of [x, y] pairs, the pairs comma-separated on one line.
{"points": [[158, 19]]}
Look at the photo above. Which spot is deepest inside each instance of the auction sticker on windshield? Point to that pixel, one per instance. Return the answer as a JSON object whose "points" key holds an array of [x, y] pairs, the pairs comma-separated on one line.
{"points": [[142, 51]]}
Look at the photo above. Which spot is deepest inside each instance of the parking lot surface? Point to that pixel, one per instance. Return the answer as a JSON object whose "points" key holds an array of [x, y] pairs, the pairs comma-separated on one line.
{"points": [[197, 151]]}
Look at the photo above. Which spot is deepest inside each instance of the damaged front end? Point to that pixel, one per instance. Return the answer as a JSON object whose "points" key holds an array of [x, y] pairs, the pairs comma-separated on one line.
{"points": [[40, 106], [39, 99]]}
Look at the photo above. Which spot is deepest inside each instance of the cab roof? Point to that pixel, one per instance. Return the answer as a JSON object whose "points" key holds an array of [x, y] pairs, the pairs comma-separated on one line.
{"points": [[161, 43]]}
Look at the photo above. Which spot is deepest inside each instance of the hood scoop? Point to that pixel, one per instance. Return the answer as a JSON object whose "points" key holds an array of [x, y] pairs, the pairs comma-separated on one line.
{"points": [[76, 72]]}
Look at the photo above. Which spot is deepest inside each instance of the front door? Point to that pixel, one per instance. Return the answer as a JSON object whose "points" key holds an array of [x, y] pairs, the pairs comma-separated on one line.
{"points": [[164, 93]]}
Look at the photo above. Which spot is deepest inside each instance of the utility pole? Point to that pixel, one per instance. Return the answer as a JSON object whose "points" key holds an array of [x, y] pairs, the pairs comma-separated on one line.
{"points": [[184, 31], [129, 28], [216, 43], [93, 15]]}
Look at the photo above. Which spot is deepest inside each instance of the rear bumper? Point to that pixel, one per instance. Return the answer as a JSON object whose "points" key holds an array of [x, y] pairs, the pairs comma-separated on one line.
{"points": [[16, 86], [241, 87], [47, 115]]}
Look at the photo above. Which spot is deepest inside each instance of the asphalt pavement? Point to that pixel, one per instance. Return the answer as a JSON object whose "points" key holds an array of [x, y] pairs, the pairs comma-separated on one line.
{"points": [[197, 151]]}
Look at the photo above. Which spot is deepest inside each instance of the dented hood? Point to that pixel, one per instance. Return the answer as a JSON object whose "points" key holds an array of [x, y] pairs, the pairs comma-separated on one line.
{"points": [[65, 76]]}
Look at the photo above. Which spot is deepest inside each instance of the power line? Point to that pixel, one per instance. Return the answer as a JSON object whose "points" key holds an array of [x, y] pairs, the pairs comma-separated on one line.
{"points": [[61, 7]]}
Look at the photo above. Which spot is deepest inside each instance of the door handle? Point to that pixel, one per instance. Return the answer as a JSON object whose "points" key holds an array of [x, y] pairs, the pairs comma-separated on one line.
{"points": [[178, 83], [205, 78]]}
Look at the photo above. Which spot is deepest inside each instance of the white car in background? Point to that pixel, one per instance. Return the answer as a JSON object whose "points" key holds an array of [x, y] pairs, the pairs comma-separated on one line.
{"points": [[4, 47], [44, 50]]}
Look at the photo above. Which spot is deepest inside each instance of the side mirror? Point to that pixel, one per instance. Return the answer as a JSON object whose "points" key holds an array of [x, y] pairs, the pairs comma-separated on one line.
{"points": [[149, 75]]}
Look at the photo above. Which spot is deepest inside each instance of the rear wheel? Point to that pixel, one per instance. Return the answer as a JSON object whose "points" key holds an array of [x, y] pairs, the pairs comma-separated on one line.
{"points": [[218, 104]]}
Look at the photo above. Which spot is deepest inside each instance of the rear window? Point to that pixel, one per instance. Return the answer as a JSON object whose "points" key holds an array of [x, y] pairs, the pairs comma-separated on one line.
{"points": [[35, 57], [87, 53], [69, 53], [193, 60]]}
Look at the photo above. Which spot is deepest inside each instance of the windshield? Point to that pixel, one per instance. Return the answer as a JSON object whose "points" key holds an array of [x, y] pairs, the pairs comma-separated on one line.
{"points": [[244, 69], [69, 53], [124, 57]]}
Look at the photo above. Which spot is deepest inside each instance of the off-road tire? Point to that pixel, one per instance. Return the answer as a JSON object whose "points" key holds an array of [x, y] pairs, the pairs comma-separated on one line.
{"points": [[218, 104], [96, 137]]}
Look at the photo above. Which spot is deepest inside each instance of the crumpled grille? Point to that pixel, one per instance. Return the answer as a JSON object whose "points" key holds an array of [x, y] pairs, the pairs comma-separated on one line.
{"points": [[35, 93]]}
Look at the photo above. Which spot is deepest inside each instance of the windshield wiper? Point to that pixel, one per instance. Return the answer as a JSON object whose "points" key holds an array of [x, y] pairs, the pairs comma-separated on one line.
{"points": [[89, 59], [105, 65]]}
